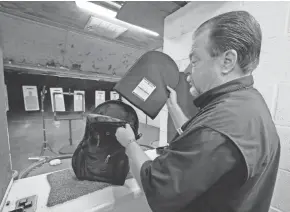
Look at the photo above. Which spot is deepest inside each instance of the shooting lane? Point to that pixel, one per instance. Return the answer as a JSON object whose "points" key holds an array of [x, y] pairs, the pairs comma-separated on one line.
{"points": [[26, 127]]}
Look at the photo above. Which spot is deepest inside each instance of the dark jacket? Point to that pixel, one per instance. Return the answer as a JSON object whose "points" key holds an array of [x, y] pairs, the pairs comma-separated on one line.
{"points": [[226, 160]]}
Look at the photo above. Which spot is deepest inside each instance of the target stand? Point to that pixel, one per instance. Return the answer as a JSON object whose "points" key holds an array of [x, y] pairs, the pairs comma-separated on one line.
{"points": [[68, 116], [45, 145]]}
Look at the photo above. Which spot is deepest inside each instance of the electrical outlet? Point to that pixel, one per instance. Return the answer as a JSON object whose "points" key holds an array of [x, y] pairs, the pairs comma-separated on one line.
{"points": [[27, 204]]}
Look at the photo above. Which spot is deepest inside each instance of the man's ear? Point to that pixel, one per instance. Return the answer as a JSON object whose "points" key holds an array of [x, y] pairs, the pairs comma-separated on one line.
{"points": [[229, 61]]}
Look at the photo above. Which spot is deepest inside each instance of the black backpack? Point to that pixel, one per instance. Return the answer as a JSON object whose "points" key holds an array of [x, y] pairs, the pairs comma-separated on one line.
{"points": [[99, 156]]}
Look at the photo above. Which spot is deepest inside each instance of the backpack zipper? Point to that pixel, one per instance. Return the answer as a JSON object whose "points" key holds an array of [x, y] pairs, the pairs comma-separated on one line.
{"points": [[109, 156], [98, 138]]}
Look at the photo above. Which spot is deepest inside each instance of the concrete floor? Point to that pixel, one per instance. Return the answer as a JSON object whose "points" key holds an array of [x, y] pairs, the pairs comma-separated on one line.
{"points": [[26, 138]]}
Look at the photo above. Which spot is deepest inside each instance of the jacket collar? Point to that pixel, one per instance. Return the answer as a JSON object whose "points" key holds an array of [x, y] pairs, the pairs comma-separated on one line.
{"points": [[228, 87]]}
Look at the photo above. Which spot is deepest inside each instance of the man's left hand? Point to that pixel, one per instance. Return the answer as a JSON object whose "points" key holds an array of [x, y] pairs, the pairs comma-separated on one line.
{"points": [[124, 135]]}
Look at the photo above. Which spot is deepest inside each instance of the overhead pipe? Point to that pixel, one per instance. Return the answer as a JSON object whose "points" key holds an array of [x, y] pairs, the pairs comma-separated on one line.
{"points": [[109, 5]]}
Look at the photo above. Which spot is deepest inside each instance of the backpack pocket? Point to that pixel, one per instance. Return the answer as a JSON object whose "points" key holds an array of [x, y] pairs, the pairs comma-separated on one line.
{"points": [[107, 167]]}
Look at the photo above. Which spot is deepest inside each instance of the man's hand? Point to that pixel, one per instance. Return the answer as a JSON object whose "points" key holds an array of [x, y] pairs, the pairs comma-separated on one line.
{"points": [[172, 100], [174, 110], [137, 157], [124, 135]]}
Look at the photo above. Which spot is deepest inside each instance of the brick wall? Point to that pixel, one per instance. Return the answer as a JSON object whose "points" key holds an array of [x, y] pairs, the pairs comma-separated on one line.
{"points": [[272, 77]]}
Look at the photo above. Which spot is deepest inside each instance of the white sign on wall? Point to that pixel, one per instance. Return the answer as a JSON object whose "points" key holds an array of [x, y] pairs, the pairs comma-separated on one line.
{"points": [[100, 97], [57, 99], [30, 97], [79, 101], [114, 95]]}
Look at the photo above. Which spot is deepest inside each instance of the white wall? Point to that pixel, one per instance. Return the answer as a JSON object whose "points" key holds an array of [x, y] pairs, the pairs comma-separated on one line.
{"points": [[272, 77]]}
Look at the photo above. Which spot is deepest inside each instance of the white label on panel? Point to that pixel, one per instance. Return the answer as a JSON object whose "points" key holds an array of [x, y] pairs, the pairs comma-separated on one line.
{"points": [[30, 97], [144, 89]]}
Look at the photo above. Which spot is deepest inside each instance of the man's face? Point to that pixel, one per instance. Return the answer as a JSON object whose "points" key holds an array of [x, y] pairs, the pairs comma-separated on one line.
{"points": [[204, 72]]}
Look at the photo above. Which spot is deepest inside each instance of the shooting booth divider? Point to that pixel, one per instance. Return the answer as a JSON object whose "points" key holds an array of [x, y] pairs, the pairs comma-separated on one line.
{"points": [[5, 156]]}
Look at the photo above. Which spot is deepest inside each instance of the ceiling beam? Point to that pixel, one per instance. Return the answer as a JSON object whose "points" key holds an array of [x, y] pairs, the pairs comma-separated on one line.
{"points": [[59, 72], [181, 3]]}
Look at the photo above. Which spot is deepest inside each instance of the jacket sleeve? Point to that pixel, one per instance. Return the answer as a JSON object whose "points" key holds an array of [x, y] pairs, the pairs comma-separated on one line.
{"points": [[186, 170]]}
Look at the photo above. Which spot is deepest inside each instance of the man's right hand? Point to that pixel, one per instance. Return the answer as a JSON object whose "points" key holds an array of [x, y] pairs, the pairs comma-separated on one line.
{"points": [[174, 110], [172, 100]]}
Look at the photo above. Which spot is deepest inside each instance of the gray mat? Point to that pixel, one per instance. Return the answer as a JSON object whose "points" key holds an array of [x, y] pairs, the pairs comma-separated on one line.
{"points": [[65, 186]]}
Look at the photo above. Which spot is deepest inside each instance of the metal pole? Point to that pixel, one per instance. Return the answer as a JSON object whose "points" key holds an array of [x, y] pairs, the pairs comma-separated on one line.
{"points": [[45, 145], [70, 132], [43, 125]]}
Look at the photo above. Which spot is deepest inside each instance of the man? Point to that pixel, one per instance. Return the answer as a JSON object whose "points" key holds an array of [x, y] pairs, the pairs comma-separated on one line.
{"points": [[226, 158]]}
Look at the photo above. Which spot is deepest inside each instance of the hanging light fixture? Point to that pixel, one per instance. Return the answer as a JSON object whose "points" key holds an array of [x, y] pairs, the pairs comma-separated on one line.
{"points": [[94, 8], [105, 12]]}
